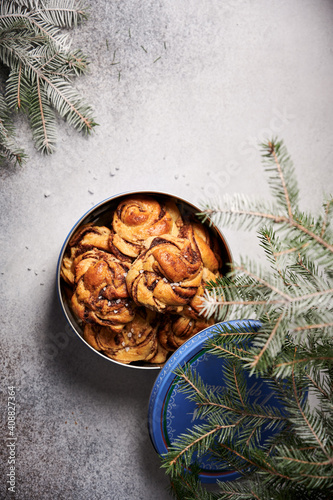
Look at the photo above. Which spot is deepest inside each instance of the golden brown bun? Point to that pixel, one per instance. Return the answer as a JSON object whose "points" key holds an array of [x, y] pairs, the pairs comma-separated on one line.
{"points": [[166, 276], [138, 218], [206, 244], [86, 238], [194, 308], [135, 342], [67, 269], [91, 236], [175, 330], [160, 355], [100, 293]]}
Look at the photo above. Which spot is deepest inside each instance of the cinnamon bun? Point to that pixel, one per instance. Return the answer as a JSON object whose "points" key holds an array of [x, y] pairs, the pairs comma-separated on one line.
{"points": [[175, 330], [86, 238], [100, 293], [137, 341], [166, 276], [138, 218]]}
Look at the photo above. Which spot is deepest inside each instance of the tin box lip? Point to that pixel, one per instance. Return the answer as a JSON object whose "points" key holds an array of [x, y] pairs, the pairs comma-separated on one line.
{"points": [[81, 220], [165, 380]]}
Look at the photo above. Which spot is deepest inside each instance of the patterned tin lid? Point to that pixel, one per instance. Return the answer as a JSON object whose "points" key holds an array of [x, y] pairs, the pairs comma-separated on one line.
{"points": [[171, 413]]}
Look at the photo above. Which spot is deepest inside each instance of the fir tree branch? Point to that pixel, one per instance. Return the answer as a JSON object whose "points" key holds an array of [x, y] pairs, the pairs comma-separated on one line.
{"points": [[201, 438], [278, 219], [19, 86], [317, 386], [244, 413], [222, 349], [37, 53], [49, 32], [292, 351], [285, 296], [312, 295], [191, 384], [257, 357], [305, 360], [312, 235], [315, 464], [272, 149], [210, 212], [8, 149], [237, 386], [232, 334], [86, 122], [46, 143], [311, 327], [250, 436], [317, 477], [58, 89], [306, 419], [255, 496], [257, 465], [327, 208], [291, 250]]}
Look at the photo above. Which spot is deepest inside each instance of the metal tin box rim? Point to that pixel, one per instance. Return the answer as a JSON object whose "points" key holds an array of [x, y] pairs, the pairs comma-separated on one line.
{"points": [[94, 213]]}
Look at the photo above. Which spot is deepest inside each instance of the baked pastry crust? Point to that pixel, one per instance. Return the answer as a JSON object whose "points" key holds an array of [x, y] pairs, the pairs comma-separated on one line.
{"points": [[138, 218], [86, 238], [166, 276], [174, 330], [100, 293], [137, 341], [207, 246]]}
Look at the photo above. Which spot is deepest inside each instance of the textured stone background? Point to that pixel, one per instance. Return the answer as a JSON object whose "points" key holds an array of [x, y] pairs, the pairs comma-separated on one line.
{"points": [[197, 85]]}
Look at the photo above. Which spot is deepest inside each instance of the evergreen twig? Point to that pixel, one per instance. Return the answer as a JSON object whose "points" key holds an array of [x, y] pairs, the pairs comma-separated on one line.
{"points": [[293, 351], [41, 65]]}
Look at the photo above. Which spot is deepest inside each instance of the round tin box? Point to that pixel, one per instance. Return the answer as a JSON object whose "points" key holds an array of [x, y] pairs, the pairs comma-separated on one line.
{"points": [[101, 214]]}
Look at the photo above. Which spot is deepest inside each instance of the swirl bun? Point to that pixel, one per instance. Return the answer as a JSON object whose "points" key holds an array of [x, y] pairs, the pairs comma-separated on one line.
{"points": [[206, 244], [194, 308], [86, 238], [166, 276], [100, 294], [135, 342], [175, 330], [138, 218]]}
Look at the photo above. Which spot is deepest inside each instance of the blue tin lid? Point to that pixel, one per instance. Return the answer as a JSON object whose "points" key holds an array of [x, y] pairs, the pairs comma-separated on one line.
{"points": [[171, 413]]}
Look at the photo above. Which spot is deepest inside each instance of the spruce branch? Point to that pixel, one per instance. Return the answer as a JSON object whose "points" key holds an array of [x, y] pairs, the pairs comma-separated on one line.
{"points": [[8, 147], [312, 429], [283, 185], [328, 210], [42, 65], [292, 350]]}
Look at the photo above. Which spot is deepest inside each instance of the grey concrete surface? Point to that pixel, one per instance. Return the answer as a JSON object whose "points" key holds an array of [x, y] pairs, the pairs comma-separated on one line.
{"points": [[197, 85]]}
